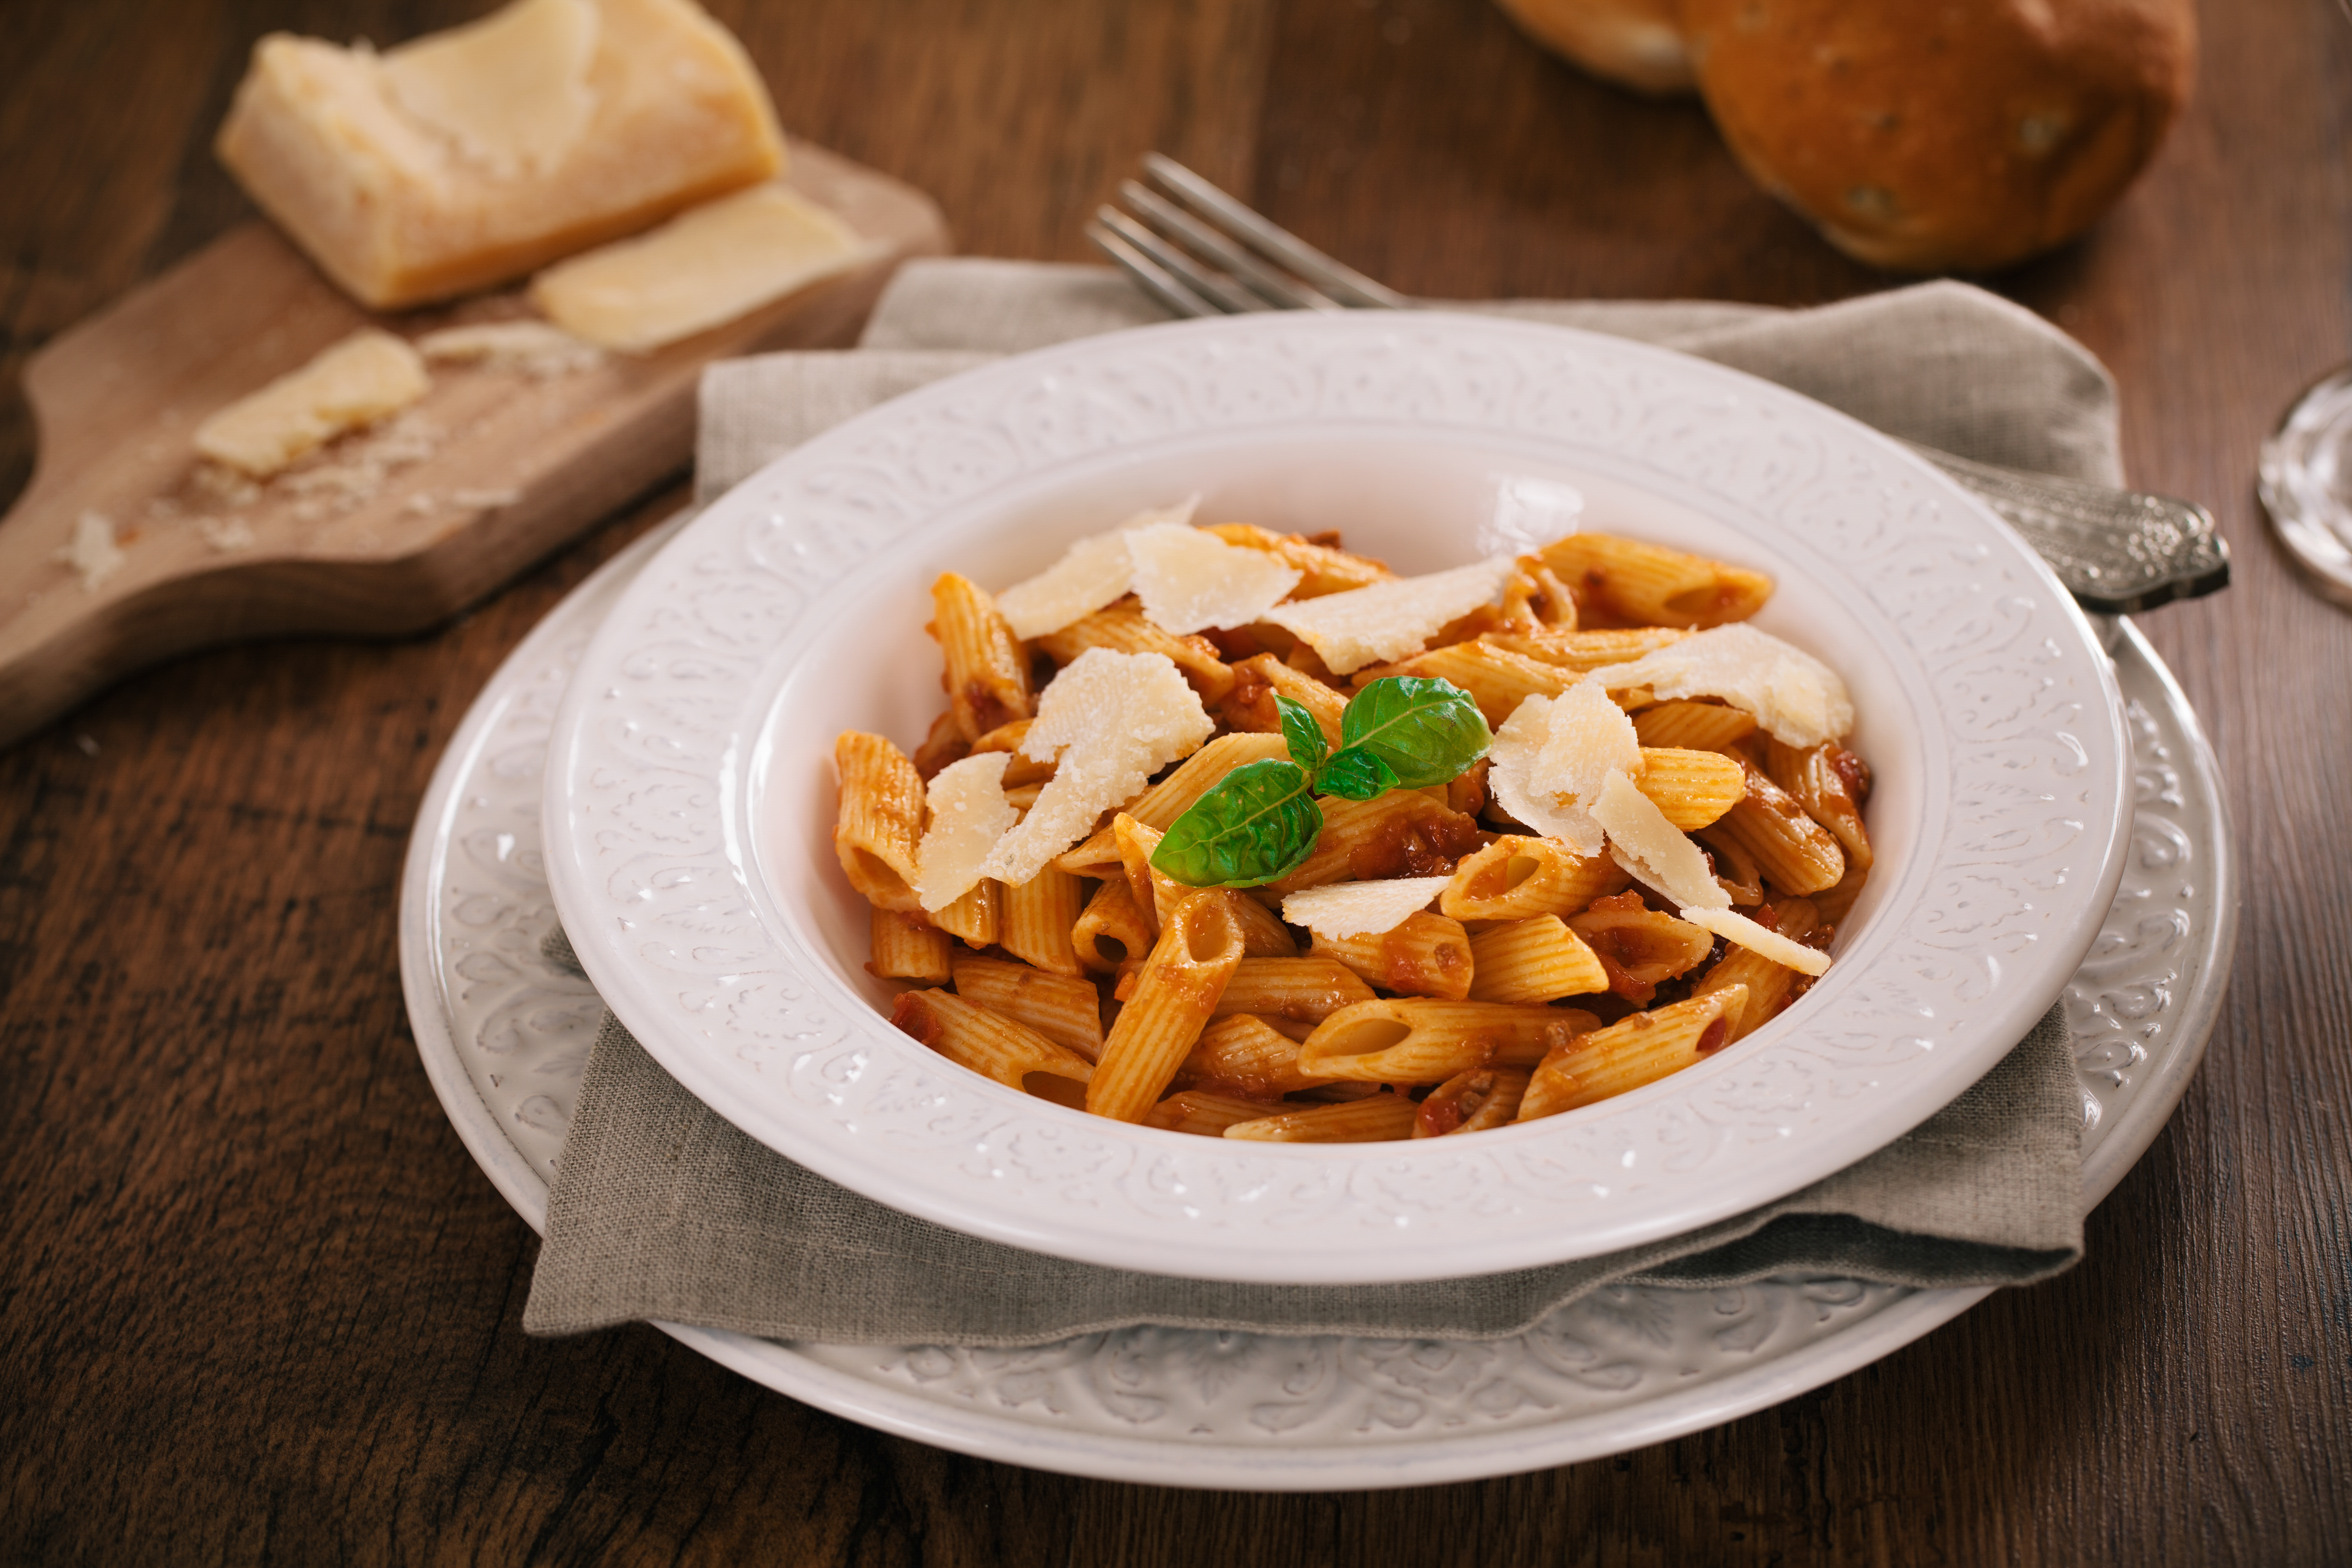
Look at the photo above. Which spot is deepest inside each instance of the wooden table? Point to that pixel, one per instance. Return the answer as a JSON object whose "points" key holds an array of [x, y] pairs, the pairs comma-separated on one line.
{"points": [[256, 1301]]}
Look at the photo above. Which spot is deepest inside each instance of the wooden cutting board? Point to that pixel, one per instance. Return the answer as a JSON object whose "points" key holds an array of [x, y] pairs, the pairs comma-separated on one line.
{"points": [[385, 532]]}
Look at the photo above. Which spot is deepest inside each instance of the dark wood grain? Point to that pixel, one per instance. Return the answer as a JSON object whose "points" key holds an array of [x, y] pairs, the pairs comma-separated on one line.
{"points": [[256, 1304]]}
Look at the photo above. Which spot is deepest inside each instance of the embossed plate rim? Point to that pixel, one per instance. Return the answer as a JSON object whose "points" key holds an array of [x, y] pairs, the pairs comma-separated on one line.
{"points": [[847, 1097]]}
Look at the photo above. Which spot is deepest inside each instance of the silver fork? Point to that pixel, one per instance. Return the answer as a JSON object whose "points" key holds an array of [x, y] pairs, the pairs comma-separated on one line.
{"points": [[1199, 252]]}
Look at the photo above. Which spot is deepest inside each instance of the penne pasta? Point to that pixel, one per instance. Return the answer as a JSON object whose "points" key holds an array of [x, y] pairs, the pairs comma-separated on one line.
{"points": [[1533, 961], [1693, 726], [987, 673], [1472, 1101], [1401, 834], [1175, 994], [1830, 783], [908, 947], [1736, 871], [1322, 569], [1835, 905], [1257, 680], [878, 820], [944, 744], [1122, 629], [1111, 936], [1207, 1112], [1008, 738], [1630, 581], [1535, 600], [1514, 877], [1632, 1052], [1036, 919], [1496, 679], [1428, 955], [1795, 853], [999, 1048], [974, 917], [1690, 788], [1065, 1011], [1579, 651], [1410, 1041], [1770, 985], [1640, 948], [1373, 1119], [1244, 1053], [1307, 990], [1159, 806]]}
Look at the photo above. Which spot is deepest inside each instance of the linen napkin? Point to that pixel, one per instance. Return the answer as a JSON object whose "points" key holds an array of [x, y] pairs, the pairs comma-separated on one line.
{"points": [[661, 1209]]}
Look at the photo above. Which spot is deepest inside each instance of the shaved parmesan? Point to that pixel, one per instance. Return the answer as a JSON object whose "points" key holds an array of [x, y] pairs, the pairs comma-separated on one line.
{"points": [[1653, 851], [1587, 738], [1734, 926], [969, 813], [1361, 909], [1792, 694], [1518, 746], [1190, 579], [1387, 621], [1091, 573], [1113, 720]]}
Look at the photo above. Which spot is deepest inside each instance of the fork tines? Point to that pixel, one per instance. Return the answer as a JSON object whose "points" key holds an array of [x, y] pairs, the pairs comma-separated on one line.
{"points": [[1219, 258]]}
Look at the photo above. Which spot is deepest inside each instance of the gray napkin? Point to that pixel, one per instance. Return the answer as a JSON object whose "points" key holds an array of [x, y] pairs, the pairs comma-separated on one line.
{"points": [[661, 1209]]}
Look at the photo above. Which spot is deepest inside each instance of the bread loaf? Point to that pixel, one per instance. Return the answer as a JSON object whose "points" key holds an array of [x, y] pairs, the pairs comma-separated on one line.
{"points": [[1636, 43], [1944, 138], [474, 156]]}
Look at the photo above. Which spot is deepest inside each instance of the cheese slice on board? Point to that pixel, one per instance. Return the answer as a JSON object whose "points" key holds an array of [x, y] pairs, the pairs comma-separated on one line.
{"points": [[353, 384]]}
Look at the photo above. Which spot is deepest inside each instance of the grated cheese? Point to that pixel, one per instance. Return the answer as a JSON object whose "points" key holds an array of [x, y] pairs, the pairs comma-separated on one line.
{"points": [[1361, 909], [1796, 696], [1651, 850], [1113, 720], [1389, 621], [1190, 579], [1094, 571], [1733, 926], [969, 813]]}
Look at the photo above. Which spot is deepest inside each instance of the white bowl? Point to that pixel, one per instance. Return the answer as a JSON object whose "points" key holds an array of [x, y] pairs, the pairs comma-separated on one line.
{"points": [[691, 800]]}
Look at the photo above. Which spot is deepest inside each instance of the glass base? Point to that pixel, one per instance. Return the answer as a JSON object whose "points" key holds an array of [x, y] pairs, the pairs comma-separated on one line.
{"points": [[2306, 483]]}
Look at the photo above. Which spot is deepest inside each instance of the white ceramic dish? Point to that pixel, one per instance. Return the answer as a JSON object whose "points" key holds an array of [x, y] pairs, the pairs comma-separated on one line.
{"points": [[503, 1037], [690, 800]]}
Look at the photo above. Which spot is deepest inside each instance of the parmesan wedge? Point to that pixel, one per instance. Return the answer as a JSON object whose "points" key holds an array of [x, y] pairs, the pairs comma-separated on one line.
{"points": [[1586, 738], [1113, 720], [1387, 621], [1519, 744], [969, 813], [1091, 573], [1653, 851], [1190, 579], [1361, 909], [1738, 928], [1796, 696]]}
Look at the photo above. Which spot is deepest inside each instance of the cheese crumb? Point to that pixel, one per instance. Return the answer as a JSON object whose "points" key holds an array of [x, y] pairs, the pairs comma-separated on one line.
{"points": [[1518, 749], [1361, 909], [226, 535], [1796, 696], [1091, 573], [1190, 580], [969, 813], [1654, 851], [1387, 621], [1732, 926], [1113, 720], [351, 385], [532, 349], [92, 552]]}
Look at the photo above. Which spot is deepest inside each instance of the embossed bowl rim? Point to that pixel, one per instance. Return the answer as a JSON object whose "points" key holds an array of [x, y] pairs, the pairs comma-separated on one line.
{"points": [[688, 795]]}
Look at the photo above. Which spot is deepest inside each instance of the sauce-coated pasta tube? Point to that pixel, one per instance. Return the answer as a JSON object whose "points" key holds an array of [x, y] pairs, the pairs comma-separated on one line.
{"points": [[1472, 1101], [1829, 782], [1583, 650], [1175, 994], [1639, 948], [878, 820], [1428, 955], [1632, 1052], [1404, 833], [1516, 878], [1373, 1119], [1065, 1011], [1038, 918], [1649, 585], [1796, 854], [1533, 961], [1693, 726], [975, 1038], [975, 916], [1496, 679], [1207, 1112], [1242, 1052], [1122, 629], [1301, 989], [1410, 1041], [1690, 788], [1111, 936], [1259, 680], [987, 674], [908, 947], [1322, 568], [1769, 985]]}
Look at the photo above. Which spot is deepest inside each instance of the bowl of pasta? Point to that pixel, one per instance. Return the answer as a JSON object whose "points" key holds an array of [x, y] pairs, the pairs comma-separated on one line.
{"points": [[1337, 800]]}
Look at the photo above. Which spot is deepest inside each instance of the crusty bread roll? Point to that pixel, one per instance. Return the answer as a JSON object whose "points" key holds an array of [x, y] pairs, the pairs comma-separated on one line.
{"points": [[1944, 138], [1633, 42]]}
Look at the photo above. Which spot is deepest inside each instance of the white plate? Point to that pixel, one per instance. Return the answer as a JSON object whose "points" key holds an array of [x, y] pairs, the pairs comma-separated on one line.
{"points": [[503, 1037], [691, 800]]}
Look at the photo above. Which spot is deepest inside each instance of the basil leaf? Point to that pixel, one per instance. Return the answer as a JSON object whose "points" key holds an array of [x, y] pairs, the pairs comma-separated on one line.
{"points": [[1354, 774], [1426, 731], [1305, 735], [1258, 824]]}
